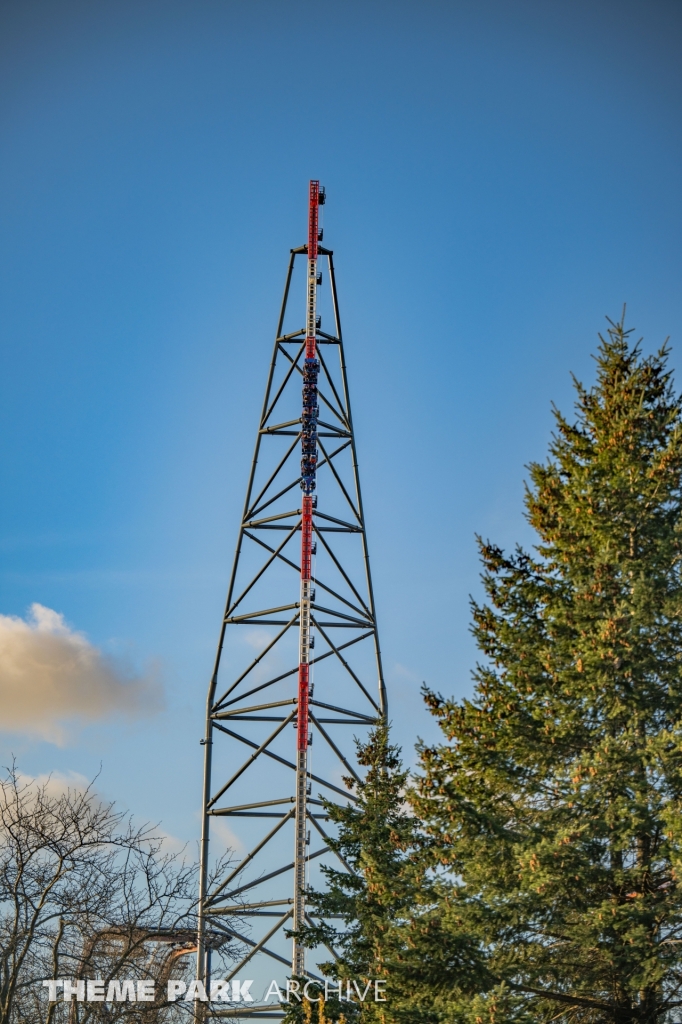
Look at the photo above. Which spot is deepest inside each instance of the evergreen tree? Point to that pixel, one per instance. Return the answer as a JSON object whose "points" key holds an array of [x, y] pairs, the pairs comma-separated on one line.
{"points": [[375, 840], [554, 806]]}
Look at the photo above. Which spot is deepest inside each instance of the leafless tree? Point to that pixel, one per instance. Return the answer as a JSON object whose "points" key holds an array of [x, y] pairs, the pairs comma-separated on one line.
{"points": [[88, 895]]}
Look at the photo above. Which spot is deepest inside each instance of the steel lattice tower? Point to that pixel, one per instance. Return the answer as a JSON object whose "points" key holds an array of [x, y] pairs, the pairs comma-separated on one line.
{"points": [[300, 574]]}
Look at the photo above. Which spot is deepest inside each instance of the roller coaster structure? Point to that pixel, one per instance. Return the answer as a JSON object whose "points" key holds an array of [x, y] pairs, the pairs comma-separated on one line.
{"points": [[265, 613]]}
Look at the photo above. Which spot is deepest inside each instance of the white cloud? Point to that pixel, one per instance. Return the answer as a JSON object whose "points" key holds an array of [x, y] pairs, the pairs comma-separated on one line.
{"points": [[56, 784], [51, 675], [226, 837], [170, 844], [400, 672], [258, 638]]}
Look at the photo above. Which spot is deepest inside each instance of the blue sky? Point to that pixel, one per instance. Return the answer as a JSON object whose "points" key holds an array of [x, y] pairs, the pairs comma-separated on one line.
{"points": [[500, 176]]}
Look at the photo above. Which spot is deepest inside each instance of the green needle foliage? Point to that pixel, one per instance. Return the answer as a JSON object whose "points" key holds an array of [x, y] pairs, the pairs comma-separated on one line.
{"points": [[376, 894], [554, 807]]}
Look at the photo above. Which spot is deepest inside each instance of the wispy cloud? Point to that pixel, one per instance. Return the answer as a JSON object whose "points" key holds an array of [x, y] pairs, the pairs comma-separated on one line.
{"points": [[226, 836], [56, 784], [52, 676], [258, 638]]}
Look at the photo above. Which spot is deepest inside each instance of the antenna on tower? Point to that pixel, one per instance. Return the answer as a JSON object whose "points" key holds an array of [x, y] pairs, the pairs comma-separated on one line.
{"points": [[285, 593]]}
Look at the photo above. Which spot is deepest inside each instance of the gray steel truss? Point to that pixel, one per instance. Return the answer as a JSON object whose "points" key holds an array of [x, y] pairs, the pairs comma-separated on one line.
{"points": [[250, 740]]}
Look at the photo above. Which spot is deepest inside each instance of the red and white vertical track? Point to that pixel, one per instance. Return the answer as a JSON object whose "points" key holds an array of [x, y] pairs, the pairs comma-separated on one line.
{"points": [[308, 467]]}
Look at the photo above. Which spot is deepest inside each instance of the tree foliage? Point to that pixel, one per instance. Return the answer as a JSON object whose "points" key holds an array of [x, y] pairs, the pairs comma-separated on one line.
{"points": [[378, 888], [554, 805]]}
